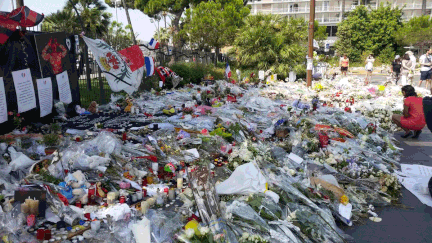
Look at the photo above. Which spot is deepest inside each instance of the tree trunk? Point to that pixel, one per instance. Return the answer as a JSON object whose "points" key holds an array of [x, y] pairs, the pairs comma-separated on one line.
{"points": [[177, 42], [129, 21], [424, 7], [217, 51]]}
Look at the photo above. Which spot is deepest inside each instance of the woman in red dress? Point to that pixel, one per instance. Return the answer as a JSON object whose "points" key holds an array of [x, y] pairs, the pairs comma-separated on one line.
{"points": [[413, 115]]}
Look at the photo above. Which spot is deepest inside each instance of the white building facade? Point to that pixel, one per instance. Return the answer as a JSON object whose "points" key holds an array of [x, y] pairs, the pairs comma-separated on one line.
{"points": [[329, 12]]}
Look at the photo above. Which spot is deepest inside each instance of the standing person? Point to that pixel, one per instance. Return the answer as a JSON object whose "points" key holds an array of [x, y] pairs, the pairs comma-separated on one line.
{"points": [[396, 68], [425, 68], [413, 63], [413, 116], [406, 68], [369, 68], [344, 64]]}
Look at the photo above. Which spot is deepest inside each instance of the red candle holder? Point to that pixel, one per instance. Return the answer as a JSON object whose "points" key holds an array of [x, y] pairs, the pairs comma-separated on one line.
{"points": [[31, 220], [47, 234], [40, 235]]}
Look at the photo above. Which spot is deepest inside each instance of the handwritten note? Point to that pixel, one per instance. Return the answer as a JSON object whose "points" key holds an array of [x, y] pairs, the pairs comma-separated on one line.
{"points": [[64, 87], [24, 89], [3, 104], [45, 95]]}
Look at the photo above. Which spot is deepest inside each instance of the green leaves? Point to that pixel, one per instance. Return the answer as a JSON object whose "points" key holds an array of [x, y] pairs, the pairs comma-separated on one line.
{"points": [[366, 30], [95, 19], [214, 23], [417, 31], [272, 41], [118, 37]]}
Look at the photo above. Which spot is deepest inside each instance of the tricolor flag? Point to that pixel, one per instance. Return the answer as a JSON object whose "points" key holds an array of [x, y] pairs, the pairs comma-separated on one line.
{"points": [[153, 44], [228, 71], [150, 66]]}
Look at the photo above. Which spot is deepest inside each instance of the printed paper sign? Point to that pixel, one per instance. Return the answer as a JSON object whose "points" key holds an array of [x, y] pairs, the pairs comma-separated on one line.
{"points": [[261, 75], [309, 64], [45, 95], [3, 104], [24, 89], [64, 87]]}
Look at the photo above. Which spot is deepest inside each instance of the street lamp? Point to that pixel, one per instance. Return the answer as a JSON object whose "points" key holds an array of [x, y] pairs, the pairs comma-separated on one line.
{"points": [[115, 2]]}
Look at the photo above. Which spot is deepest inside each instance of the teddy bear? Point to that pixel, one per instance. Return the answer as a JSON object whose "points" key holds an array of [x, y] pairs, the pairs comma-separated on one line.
{"points": [[129, 106], [77, 183], [133, 172], [93, 107]]}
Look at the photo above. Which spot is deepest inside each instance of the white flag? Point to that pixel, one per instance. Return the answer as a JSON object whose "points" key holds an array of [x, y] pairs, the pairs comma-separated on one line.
{"points": [[117, 72]]}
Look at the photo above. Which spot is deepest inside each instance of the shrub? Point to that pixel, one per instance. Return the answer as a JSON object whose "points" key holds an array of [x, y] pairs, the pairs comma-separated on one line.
{"points": [[387, 55], [195, 72]]}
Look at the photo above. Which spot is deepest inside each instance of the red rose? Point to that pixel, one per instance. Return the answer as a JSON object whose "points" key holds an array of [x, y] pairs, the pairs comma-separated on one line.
{"points": [[18, 114], [10, 113]]}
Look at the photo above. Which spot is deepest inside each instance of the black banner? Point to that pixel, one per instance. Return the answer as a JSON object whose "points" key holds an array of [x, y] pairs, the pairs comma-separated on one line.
{"points": [[25, 51]]}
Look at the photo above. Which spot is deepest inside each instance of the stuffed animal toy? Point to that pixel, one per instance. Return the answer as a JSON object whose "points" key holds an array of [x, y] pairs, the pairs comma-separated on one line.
{"points": [[129, 106], [93, 107]]}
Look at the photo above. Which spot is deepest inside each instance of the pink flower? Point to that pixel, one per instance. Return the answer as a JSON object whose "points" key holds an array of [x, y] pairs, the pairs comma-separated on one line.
{"points": [[10, 113]]}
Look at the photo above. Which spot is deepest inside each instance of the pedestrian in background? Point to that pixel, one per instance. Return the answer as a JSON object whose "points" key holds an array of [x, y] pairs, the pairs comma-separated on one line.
{"points": [[396, 68], [369, 68], [344, 64], [413, 63], [425, 69], [406, 69]]}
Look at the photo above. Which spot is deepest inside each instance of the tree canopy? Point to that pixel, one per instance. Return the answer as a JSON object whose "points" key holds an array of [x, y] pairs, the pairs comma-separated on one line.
{"points": [[272, 42], [213, 24], [417, 31], [369, 31], [153, 8], [93, 14], [118, 37]]}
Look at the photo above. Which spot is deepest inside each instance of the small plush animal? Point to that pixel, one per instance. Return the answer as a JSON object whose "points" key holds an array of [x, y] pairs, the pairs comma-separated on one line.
{"points": [[93, 107], [129, 106]]}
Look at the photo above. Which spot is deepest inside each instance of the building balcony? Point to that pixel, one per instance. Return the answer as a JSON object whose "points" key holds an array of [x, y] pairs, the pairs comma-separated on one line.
{"points": [[328, 20], [412, 6], [300, 10], [280, 1]]}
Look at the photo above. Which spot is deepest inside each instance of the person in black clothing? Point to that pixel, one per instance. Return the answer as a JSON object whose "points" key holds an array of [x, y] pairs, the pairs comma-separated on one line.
{"points": [[396, 68], [427, 109]]}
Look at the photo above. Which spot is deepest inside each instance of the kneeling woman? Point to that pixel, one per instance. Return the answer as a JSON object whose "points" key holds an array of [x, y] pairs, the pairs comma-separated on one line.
{"points": [[413, 116]]}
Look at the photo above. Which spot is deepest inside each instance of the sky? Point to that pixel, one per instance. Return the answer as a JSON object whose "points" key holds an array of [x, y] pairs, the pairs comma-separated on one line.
{"points": [[140, 22]]}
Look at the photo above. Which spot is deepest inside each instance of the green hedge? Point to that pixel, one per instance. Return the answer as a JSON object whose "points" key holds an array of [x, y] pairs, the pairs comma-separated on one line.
{"points": [[194, 72]]}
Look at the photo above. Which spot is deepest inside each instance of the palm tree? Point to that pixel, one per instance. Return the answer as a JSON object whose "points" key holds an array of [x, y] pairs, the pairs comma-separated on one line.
{"points": [[63, 20], [93, 14]]}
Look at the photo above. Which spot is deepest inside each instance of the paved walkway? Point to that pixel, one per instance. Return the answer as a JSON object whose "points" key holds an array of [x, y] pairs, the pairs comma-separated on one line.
{"points": [[411, 225]]}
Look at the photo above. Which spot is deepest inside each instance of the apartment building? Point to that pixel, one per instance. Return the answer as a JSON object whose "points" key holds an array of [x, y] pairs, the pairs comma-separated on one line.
{"points": [[329, 12]]}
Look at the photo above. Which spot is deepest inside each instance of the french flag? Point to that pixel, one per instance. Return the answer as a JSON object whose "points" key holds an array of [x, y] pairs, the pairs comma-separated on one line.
{"points": [[150, 66], [228, 71], [153, 44]]}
